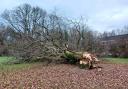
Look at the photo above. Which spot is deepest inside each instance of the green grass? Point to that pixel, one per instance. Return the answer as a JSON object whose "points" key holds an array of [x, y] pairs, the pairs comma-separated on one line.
{"points": [[4, 66], [117, 60], [4, 60]]}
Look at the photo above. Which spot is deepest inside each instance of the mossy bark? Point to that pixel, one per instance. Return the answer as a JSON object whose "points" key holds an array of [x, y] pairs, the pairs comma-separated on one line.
{"points": [[72, 57]]}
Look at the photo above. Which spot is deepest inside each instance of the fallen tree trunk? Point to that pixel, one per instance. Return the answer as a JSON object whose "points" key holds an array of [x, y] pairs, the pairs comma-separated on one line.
{"points": [[83, 58], [72, 57]]}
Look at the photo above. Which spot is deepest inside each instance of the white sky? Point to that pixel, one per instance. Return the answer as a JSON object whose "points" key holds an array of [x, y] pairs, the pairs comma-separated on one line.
{"points": [[101, 14]]}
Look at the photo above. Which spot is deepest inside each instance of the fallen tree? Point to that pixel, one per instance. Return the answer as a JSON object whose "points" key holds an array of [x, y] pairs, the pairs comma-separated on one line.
{"points": [[34, 34], [82, 58]]}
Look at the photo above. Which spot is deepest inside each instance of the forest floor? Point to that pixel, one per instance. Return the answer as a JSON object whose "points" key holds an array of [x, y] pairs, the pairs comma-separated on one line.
{"points": [[65, 76]]}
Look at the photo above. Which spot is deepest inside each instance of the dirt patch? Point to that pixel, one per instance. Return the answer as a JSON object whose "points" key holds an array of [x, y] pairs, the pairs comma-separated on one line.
{"points": [[64, 76]]}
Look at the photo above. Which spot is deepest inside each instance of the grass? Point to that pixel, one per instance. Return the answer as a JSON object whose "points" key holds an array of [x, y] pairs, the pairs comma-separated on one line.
{"points": [[4, 60], [117, 60], [4, 66]]}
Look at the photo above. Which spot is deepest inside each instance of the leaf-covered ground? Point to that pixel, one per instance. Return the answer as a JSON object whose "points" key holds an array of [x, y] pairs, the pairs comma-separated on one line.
{"points": [[64, 76]]}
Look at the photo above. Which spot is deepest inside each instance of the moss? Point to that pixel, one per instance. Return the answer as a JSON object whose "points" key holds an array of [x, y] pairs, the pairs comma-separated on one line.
{"points": [[83, 66], [70, 57]]}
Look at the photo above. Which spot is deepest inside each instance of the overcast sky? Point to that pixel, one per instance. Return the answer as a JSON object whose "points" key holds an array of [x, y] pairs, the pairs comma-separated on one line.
{"points": [[101, 14]]}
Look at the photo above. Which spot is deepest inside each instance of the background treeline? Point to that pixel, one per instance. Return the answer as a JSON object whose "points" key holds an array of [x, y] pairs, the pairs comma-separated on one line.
{"points": [[117, 45], [28, 33]]}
